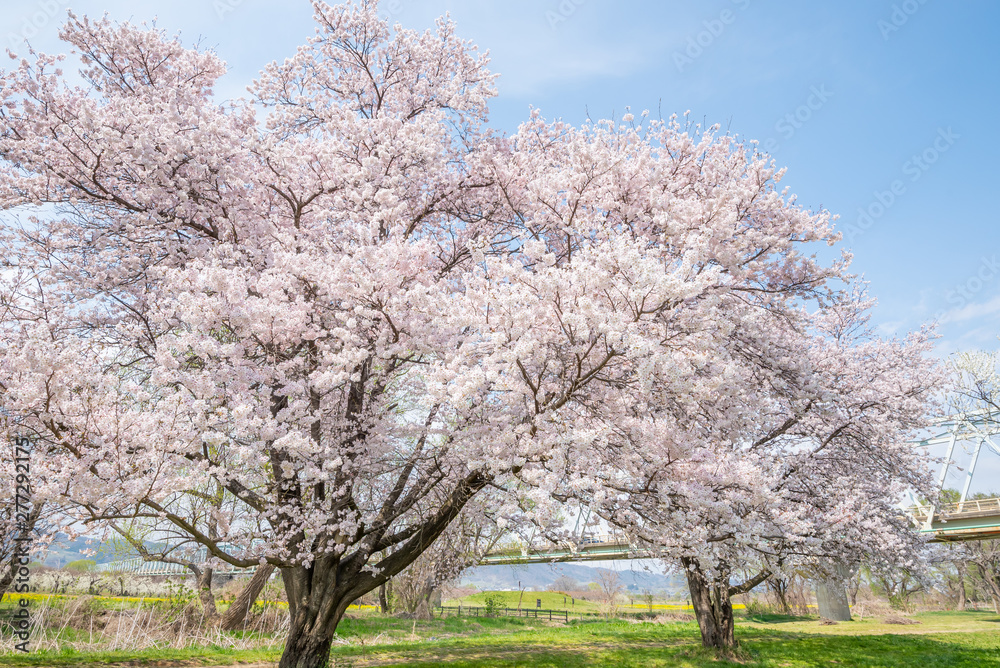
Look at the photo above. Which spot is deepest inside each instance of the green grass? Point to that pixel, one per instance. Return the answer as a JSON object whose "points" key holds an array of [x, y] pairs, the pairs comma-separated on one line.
{"points": [[551, 600], [942, 639], [195, 656], [968, 639]]}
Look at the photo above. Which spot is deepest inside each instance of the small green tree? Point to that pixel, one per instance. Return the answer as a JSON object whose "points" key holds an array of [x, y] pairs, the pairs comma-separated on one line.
{"points": [[81, 566], [494, 603]]}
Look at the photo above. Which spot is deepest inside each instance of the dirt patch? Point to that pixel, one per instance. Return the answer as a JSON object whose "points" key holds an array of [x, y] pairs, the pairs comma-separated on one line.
{"points": [[899, 620], [231, 665], [511, 653], [173, 663]]}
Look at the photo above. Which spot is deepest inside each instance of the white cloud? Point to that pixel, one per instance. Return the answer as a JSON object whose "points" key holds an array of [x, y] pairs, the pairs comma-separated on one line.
{"points": [[972, 311]]}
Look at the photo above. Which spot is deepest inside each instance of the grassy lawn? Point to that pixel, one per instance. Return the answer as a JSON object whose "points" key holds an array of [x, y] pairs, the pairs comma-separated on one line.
{"points": [[940, 639]]}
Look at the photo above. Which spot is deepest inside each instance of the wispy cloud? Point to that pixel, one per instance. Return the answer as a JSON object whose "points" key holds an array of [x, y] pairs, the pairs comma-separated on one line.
{"points": [[972, 311]]}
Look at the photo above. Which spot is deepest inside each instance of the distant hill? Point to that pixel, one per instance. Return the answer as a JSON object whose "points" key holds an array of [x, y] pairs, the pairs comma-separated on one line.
{"points": [[63, 550], [530, 576], [540, 576]]}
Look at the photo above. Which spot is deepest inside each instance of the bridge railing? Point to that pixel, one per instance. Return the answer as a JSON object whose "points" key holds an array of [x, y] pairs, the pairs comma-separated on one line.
{"points": [[143, 567], [588, 542], [985, 506], [968, 508]]}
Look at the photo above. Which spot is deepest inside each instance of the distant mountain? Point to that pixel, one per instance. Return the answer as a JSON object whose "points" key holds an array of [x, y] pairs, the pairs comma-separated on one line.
{"points": [[63, 550], [635, 576], [540, 576]]}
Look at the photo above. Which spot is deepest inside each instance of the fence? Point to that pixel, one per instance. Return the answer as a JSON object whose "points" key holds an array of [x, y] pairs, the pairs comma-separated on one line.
{"points": [[482, 611]]}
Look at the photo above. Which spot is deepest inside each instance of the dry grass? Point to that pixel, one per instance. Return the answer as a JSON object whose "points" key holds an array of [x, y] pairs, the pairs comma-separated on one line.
{"points": [[897, 619], [669, 617], [869, 607], [83, 625]]}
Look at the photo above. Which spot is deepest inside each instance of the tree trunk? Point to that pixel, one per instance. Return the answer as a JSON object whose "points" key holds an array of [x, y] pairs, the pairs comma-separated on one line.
{"points": [[780, 588], [205, 594], [236, 615], [318, 594], [23, 538], [712, 607], [306, 649], [960, 567], [383, 601], [423, 610], [8, 575], [853, 585], [307, 646], [992, 585], [316, 606], [832, 600]]}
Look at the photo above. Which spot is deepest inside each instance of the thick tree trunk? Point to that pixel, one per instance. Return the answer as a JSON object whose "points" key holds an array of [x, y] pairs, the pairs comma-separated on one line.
{"points": [[316, 605], [832, 599], [8, 576], [236, 615], [307, 646], [318, 594], [712, 607]]}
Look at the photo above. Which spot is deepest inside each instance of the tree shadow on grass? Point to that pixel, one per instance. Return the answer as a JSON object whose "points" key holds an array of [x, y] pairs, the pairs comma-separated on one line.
{"points": [[773, 618], [959, 650], [793, 650]]}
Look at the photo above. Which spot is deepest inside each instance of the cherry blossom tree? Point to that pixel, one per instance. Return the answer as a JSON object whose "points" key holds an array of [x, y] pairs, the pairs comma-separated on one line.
{"points": [[350, 307], [800, 466], [805, 473]]}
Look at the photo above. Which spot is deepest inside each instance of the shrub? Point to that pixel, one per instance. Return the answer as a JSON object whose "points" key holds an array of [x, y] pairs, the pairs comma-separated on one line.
{"points": [[494, 604]]}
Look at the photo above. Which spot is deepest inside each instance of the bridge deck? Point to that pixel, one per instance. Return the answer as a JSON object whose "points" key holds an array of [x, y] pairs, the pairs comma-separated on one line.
{"points": [[978, 519], [965, 521]]}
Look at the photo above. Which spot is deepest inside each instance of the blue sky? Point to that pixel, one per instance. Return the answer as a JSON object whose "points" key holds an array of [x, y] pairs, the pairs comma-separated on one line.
{"points": [[876, 107]]}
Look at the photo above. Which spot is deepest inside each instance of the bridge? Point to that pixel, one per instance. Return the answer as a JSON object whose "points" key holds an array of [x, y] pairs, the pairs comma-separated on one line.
{"points": [[602, 547], [965, 520], [977, 519], [140, 566]]}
